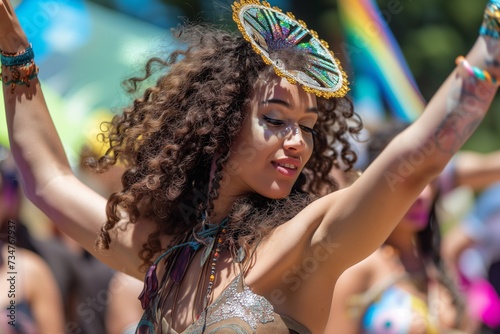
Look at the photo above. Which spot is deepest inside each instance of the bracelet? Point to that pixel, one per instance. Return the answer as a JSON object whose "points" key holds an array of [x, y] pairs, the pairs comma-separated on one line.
{"points": [[21, 66], [491, 21], [20, 75], [16, 59], [476, 72]]}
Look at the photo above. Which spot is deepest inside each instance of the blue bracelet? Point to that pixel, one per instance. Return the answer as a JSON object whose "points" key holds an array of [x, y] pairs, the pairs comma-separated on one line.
{"points": [[18, 59]]}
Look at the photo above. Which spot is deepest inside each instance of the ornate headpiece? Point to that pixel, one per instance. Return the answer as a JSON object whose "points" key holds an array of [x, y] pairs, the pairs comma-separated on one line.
{"points": [[268, 29]]}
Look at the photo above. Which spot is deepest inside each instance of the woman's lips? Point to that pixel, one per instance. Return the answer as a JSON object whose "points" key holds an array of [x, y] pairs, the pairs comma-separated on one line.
{"points": [[286, 169]]}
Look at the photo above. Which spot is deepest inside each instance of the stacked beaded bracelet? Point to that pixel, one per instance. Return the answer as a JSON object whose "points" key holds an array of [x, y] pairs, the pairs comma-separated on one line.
{"points": [[476, 71], [491, 20], [21, 66]]}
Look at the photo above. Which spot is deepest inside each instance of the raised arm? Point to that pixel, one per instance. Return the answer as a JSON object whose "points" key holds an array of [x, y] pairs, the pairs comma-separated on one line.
{"points": [[380, 198], [358, 219], [47, 178]]}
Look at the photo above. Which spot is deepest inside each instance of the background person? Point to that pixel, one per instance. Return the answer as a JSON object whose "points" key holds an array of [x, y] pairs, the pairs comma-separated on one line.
{"points": [[30, 300]]}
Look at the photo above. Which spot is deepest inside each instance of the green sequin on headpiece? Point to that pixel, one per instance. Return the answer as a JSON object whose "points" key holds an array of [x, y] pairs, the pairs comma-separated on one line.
{"points": [[268, 29]]}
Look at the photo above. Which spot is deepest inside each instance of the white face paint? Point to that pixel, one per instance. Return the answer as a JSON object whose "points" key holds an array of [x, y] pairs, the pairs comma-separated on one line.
{"points": [[287, 128]]}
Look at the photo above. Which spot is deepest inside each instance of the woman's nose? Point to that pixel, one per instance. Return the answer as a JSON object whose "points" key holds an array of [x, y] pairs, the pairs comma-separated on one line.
{"points": [[293, 137]]}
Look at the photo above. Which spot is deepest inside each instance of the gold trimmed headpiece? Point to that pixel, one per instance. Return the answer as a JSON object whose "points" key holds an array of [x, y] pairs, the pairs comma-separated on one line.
{"points": [[269, 29]]}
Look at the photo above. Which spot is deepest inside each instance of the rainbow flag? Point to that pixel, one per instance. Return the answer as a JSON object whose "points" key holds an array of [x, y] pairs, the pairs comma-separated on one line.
{"points": [[380, 70]]}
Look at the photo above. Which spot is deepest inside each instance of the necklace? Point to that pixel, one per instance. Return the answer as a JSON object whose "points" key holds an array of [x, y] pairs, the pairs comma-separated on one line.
{"points": [[211, 279]]}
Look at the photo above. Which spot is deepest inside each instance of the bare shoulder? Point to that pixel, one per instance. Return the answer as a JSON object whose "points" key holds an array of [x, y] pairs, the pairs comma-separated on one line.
{"points": [[34, 270], [30, 262], [124, 290], [356, 280]]}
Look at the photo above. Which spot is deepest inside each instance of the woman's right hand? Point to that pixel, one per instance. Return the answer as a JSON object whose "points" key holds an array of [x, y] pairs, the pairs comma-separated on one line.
{"points": [[12, 37]]}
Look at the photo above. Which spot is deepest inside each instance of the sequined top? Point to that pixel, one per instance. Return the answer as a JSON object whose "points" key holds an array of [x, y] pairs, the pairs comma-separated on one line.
{"points": [[238, 310]]}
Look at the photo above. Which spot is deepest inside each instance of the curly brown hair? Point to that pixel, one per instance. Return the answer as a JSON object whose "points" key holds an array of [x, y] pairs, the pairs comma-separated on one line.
{"points": [[172, 132]]}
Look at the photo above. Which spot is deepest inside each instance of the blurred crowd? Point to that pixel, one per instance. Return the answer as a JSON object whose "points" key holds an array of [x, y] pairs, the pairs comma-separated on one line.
{"points": [[58, 287]]}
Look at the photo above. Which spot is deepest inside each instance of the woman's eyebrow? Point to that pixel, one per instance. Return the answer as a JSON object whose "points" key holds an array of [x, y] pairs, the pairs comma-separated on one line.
{"points": [[277, 101], [286, 104]]}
